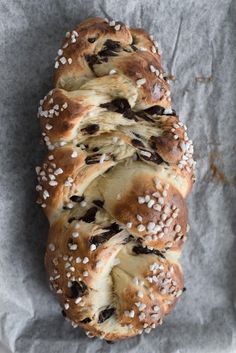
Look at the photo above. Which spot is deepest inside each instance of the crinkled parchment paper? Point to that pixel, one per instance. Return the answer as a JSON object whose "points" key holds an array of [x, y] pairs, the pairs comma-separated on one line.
{"points": [[198, 39]]}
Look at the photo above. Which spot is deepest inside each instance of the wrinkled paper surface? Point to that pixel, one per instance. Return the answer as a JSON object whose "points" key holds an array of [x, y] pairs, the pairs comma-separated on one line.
{"points": [[198, 40]]}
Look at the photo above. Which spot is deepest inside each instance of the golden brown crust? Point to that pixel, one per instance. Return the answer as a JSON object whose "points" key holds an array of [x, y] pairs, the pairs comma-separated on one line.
{"points": [[169, 218], [63, 114], [114, 182]]}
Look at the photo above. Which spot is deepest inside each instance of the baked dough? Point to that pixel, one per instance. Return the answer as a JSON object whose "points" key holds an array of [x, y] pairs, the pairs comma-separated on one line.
{"points": [[114, 183]]}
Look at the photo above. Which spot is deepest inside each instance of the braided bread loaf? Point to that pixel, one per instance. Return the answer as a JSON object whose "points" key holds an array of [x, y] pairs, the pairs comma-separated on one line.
{"points": [[114, 183]]}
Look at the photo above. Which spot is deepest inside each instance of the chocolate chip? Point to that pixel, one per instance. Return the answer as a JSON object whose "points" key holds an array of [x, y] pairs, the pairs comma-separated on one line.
{"points": [[102, 238], [133, 47], [86, 320], [63, 313], [137, 135], [98, 203], [104, 59], [91, 129], [98, 239], [128, 239], [141, 250], [90, 160], [110, 49], [78, 289], [112, 44], [155, 158], [137, 143], [122, 106], [70, 220], [109, 342], [144, 116], [92, 60], [105, 314], [156, 109], [95, 158], [76, 198], [92, 40], [114, 228], [129, 114], [95, 149], [119, 105], [107, 52], [153, 142], [90, 215]]}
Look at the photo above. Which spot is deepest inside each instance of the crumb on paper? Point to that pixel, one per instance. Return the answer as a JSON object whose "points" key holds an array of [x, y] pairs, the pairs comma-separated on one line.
{"points": [[204, 79], [171, 77], [216, 173]]}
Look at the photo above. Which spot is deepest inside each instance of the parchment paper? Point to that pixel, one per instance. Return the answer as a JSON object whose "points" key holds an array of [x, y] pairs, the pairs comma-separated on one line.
{"points": [[198, 39]]}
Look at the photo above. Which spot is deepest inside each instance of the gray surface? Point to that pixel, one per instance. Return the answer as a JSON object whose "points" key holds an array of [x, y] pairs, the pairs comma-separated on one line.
{"points": [[198, 38]]}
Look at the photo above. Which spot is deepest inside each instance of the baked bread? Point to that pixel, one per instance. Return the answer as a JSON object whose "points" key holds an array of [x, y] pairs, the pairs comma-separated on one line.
{"points": [[114, 182]]}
